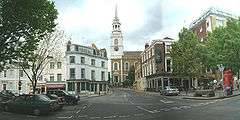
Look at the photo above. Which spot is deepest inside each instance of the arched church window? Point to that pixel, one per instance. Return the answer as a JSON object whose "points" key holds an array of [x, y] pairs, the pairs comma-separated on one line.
{"points": [[115, 66]]}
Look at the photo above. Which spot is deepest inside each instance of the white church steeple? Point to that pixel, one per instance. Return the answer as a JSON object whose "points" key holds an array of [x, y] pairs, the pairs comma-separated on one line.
{"points": [[116, 23], [116, 49]]}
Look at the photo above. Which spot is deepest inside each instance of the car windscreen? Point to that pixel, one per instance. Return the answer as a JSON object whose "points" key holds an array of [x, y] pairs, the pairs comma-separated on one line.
{"points": [[173, 87], [65, 92], [43, 98]]}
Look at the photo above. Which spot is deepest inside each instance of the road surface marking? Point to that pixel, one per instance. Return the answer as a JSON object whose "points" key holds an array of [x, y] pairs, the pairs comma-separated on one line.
{"points": [[95, 117], [138, 114], [141, 108], [165, 109], [212, 102], [166, 102], [109, 117], [84, 107], [82, 116], [65, 117], [156, 111], [31, 116], [78, 111], [131, 102], [196, 105], [185, 107], [123, 116], [175, 108]]}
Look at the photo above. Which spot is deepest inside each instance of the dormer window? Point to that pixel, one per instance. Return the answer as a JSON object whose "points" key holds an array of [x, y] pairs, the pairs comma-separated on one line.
{"points": [[76, 48], [68, 48]]}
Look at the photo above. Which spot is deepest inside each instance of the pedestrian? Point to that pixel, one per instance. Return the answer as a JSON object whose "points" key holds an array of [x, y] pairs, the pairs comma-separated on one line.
{"points": [[186, 90]]}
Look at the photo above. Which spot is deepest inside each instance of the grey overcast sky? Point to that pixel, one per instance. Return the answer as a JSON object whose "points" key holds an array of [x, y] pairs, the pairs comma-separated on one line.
{"points": [[89, 21]]}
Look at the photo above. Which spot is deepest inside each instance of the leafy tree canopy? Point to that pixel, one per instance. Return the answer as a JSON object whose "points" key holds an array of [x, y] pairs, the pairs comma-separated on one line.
{"points": [[23, 23], [223, 46], [186, 54]]}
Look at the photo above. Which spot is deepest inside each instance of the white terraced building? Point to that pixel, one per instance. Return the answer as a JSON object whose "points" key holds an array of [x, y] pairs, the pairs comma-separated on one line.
{"points": [[55, 74], [53, 77], [9, 80], [86, 69]]}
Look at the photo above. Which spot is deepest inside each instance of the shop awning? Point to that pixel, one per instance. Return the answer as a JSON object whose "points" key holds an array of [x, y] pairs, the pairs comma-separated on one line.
{"points": [[55, 85]]}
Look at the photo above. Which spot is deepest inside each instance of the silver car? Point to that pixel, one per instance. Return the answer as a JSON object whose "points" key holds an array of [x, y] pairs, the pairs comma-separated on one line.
{"points": [[170, 90]]}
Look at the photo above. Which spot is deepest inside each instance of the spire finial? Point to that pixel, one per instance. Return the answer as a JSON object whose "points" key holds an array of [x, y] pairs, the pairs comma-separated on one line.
{"points": [[116, 14]]}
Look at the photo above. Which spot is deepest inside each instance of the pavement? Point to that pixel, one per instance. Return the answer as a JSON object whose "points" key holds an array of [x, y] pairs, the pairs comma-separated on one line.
{"points": [[218, 95], [126, 104], [87, 96], [189, 95]]}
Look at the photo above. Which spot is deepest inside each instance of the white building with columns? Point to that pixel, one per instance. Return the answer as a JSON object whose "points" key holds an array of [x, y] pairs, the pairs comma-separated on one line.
{"points": [[86, 69]]}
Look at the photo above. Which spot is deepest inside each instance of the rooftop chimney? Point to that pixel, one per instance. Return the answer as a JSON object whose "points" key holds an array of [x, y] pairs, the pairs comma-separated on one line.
{"points": [[146, 45]]}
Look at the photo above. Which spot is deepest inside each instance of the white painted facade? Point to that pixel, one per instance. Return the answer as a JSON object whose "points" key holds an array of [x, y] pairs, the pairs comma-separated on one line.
{"points": [[90, 66], [55, 74], [9, 80]]}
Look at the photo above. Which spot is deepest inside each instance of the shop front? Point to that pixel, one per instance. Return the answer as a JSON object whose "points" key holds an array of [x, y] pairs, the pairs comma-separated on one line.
{"points": [[56, 86], [40, 88], [87, 87], [157, 82]]}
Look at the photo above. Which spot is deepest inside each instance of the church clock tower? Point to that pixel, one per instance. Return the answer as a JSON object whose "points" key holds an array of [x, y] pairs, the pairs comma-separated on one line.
{"points": [[116, 48]]}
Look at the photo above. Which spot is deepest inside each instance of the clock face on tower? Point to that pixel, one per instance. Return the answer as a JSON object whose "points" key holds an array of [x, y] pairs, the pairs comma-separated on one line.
{"points": [[115, 41], [116, 48]]}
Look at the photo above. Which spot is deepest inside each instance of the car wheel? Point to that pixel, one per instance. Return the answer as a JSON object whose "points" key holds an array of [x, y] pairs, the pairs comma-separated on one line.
{"points": [[6, 108], [36, 112]]}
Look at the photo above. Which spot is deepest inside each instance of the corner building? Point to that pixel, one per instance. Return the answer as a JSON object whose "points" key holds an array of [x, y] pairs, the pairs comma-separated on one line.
{"points": [[86, 69]]}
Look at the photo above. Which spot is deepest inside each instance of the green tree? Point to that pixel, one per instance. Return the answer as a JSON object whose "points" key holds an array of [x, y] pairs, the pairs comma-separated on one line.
{"points": [[23, 23], [223, 46], [131, 75], [186, 55]]}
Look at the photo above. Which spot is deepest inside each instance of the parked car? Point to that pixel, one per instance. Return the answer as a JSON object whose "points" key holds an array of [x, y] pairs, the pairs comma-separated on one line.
{"points": [[61, 101], [170, 90], [6, 95], [69, 98], [36, 104]]}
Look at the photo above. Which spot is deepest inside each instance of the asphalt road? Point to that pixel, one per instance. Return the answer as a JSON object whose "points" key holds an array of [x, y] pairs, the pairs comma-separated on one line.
{"points": [[130, 105]]}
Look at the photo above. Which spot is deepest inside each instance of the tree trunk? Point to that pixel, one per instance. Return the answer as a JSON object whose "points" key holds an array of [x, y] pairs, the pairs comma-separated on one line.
{"points": [[34, 88], [34, 84]]}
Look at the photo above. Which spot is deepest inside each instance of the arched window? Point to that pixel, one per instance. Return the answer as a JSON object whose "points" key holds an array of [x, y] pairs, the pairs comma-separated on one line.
{"points": [[115, 66], [126, 66], [168, 65], [115, 41]]}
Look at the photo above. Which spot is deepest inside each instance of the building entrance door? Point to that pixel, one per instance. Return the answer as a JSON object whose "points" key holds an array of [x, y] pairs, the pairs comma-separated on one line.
{"points": [[78, 87], [4, 86], [116, 79]]}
